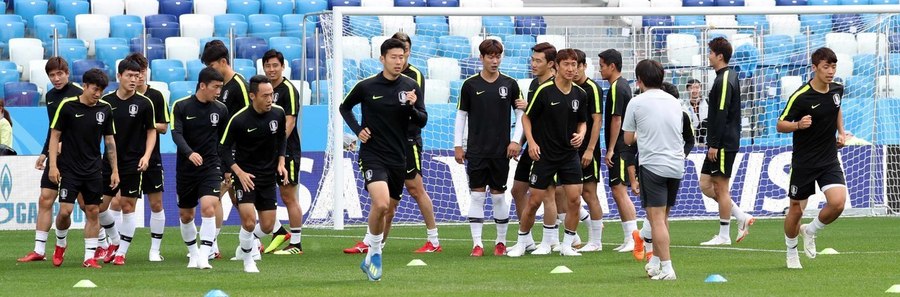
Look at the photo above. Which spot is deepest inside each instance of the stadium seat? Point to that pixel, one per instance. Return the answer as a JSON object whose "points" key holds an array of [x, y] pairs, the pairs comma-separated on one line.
{"points": [[823, 2], [377, 3], [197, 25], [518, 45], [517, 67], [245, 67], [165, 30], [126, 26], [108, 7], [90, 27], [7, 76], [887, 127], [410, 3], [437, 91], [681, 49], [784, 24], [167, 71], [23, 50], [863, 65], [319, 92], [850, 23], [181, 89], [877, 2], [510, 3], [474, 3], [816, 23], [870, 43], [369, 67], [841, 43], [141, 8], [182, 49], [263, 18], [420, 63], [10, 30], [225, 27], [79, 67], [376, 45], [290, 47], [111, 87], [443, 3], [498, 25], [665, 3], [333, 3], [156, 49], [753, 20], [244, 7], [698, 3], [193, 68], [729, 2], [8, 65], [465, 25], [558, 41], [251, 48], [456, 47], [859, 86], [365, 26], [446, 69], [292, 25], [314, 72], [38, 75], [265, 30], [70, 9], [307, 6], [305, 92], [790, 2], [350, 67], [111, 41], [211, 7], [789, 84], [470, 66], [530, 25], [163, 88], [277, 7], [397, 23], [23, 94], [312, 43], [109, 53], [759, 3], [427, 19], [455, 86], [72, 52], [230, 18], [424, 46], [176, 7], [745, 60], [156, 20], [28, 9], [357, 48]]}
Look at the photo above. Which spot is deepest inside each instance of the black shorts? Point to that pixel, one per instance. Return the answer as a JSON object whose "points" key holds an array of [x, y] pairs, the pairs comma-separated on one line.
{"points": [[565, 172], [373, 172], [91, 190], [591, 173], [618, 172], [190, 190], [491, 172], [523, 168], [154, 181], [657, 191], [292, 165], [803, 180], [262, 196], [129, 184], [413, 159], [45, 180], [721, 166]]}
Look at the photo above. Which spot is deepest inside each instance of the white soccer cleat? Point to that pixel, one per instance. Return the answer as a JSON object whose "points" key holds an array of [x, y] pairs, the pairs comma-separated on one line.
{"points": [[192, 263], [155, 256], [543, 249], [591, 247], [577, 242], [809, 242], [717, 240], [627, 247], [238, 254], [250, 267], [652, 270], [516, 251], [203, 263], [664, 276], [257, 256], [744, 227], [793, 259], [619, 247], [567, 251]]}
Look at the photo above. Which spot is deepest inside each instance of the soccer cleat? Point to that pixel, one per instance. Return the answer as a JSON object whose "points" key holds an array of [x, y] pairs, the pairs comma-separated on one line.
{"points": [[58, 256], [373, 268], [638, 251], [591, 247], [192, 263], [91, 263], [119, 260], [110, 253], [809, 242], [155, 257], [359, 248], [543, 249], [793, 259], [500, 249], [717, 240], [203, 263], [516, 251], [627, 246], [239, 254], [290, 250], [100, 253], [556, 247], [619, 247], [32, 256], [477, 251], [568, 251], [277, 241], [664, 276], [744, 228], [652, 270], [428, 248], [577, 243], [250, 266]]}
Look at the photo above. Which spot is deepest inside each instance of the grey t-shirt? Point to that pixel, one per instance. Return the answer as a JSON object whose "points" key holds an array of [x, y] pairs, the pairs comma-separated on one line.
{"points": [[656, 118]]}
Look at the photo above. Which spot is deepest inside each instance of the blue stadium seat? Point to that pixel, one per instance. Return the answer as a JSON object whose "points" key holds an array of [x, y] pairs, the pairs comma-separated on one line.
{"points": [[265, 30], [790, 2], [443, 3], [70, 8], [156, 49], [44, 25], [425, 19], [181, 89], [167, 71], [894, 42], [433, 29], [125, 26], [156, 20], [72, 52], [292, 25], [28, 9], [850, 23], [109, 53], [111, 41], [823, 2], [8, 65], [456, 47], [729, 2], [348, 86], [813, 41], [517, 67], [251, 48], [518, 45], [759, 21], [9, 31], [176, 7], [855, 2], [263, 18], [290, 47], [530, 25], [369, 67], [6, 18], [277, 7], [246, 67], [455, 87], [364, 26], [224, 40], [745, 59], [244, 7], [165, 30], [296, 68], [659, 35], [193, 69], [311, 71], [111, 87], [817, 23], [470, 66], [894, 63], [860, 86], [888, 128], [7, 76], [877, 2], [333, 3], [225, 27], [420, 63], [307, 6], [424, 46], [311, 45], [79, 67], [498, 25], [698, 3], [320, 90], [775, 48], [862, 111], [232, 17], [351, 69], [689, 20], [21, 94], [410, 3]]}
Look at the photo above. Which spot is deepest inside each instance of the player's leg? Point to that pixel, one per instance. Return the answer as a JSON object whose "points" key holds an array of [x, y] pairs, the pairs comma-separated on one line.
{"points": [[389, 220], [550, 236], [107, 222], [153, 186], [130, 189], [295, 219], [383, 184], [617, 178], [660, 234], [573, 205], [562, 210], [801, 187], [519, 193], [207, 189], [416, 188], [540, 179], [247, 211], [658, 196], [89, 201], [590, 197], [42, 226], [499, 173], [186, 209], [264, 203], [64, 219], [478, 171], [835, 189]]}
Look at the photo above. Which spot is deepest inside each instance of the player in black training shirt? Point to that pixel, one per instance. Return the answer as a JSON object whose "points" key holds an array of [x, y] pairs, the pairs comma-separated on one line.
{"points": [[388, 102], [488, 100], [288, 98], [618, 155], [590, 156], [198, 123], [58, 71], [723, 141], [813, 114], [136, 126], [558, 117], [81, 122], [256, 135]]}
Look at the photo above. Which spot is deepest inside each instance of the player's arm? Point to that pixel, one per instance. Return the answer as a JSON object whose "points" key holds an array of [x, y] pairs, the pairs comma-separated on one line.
{"points": [[161, 113], [515, 147], [150, 124], [418, 115], [596, 117], [353, 98], [290, 118], [841, 138], [792, 118], [687, 133], [718, 111], [615, 123], [181, 144], [629, 126], [113, 159], [54, 152], [459, 126], [281, 144], [535, 108]]}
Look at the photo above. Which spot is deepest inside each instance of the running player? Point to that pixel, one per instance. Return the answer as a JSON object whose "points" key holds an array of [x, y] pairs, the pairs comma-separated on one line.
{"points": [[591, 156], [256, 136], [558, 115], [487, 100], [813, 114], [389, 103], [57, 70], [81, 122], [723, 141], [198, 123]]}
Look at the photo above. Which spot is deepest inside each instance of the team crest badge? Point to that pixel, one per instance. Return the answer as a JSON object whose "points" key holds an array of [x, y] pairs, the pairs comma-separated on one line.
{"points": [[575, 104], [369, 174], [275, 98], [214, 119], [503, 92], [273, 125], [133, 110], [402, 97], [837, 100], [533, 178], [793, 190], [63, 193], [239, 194], [225, 96], [101, 117]]}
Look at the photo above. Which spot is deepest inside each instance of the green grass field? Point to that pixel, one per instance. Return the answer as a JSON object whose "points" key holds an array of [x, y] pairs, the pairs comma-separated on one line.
{"points": [[868, 265]]}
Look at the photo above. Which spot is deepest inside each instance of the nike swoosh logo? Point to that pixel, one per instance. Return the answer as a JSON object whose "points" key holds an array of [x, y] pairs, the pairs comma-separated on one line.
{"points": [[817, 105], [216, 191], [714, 171], [615, 179], [191, 118], [377, 97], [114, 108], [410, 171], [51, 102], [79, 115], [479, 93], [158, 186], [132, 192], [553, 103], [251, 130]]}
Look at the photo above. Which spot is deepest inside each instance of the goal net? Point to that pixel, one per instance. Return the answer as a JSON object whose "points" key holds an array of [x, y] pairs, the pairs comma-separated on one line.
{"points": [[771, 53]]}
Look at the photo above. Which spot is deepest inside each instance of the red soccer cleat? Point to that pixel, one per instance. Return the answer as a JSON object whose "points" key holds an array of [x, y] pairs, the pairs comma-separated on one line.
{"points": [[100, 253], [32, 256], [58, 256], [638, 252], [119, 260], [91, 263], [500, 249], [478, 251], [110, 253], [428, 248], [359, 248]]}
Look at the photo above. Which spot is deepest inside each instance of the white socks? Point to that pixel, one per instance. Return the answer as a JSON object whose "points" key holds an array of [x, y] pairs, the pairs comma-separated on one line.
{"points": [[108, 222], [815, 226], [501, 216], [61, 237], [791, 243], [246, 239], [295, 235], [157, 227], [627, 228], [476, 216], [725, 228], [595, 233], [665, 267], [433, 237], [374, 242], [737, 212], [90, 246], [127, 233], [40, 242], [189, 235], [551, 235], [647, 236], [207, 235]]}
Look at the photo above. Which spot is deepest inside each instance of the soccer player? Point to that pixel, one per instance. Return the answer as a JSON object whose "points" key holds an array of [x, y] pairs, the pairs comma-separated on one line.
{"points": [[58, 71], [135, 121], [413, 182], [288, 98], [488, 100], [590, 156], [555, 126], [723, 141], [198, 123], [257, 137], [617, 152], [656, 118], [543, 65], [388, 102], [81, 122], [813, 114]]}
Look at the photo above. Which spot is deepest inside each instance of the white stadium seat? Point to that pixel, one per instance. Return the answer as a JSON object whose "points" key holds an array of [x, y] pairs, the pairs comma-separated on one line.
{"points": [[38, 76], [722, 21], [196, 25], [759, 3], [89, 27], [633, 21], [844, 66], [357, 48], [446, 69], [141, 8], [305, 91], [789, 84], [871, 43], [788, 24], [524, 83], [161, 87], [888, 85], [591, 69], [437, 91], [465, 25], [24, 50], [841, 43], [377, 3], [681, 48], [183, 49], [108, 7], [665, 3], [210, 7], [377, 41], [394, 24], [740, 39], [475, 3], [557, 41]]}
